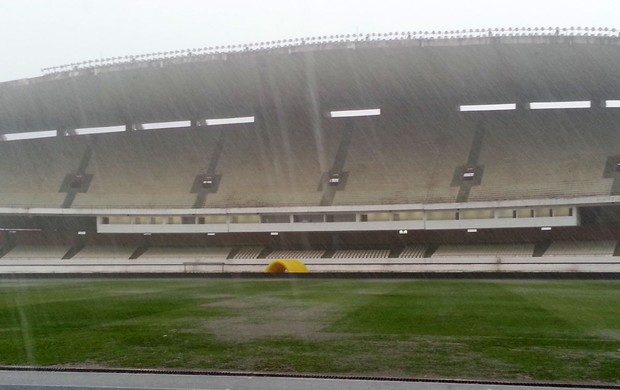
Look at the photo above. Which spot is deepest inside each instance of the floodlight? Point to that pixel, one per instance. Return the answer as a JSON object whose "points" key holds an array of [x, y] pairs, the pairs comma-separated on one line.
{"points": [[29, 135], [355, 113], [99, 130], [166, 125], [230, 121], [558, 105], [487, 107]]}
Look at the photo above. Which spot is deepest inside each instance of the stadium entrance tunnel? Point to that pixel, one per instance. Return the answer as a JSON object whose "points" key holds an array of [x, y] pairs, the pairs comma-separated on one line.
{"points": [[281, 266]]}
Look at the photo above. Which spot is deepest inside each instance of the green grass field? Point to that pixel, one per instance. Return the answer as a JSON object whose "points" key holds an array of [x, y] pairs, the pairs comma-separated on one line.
{"points": [[546, 330]]}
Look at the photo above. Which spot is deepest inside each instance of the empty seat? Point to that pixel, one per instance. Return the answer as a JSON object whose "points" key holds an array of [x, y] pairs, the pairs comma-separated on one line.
{"points": [[483, 250], [248, 252], [296, 254], [581, 248], [413, 251], [104, 252], [361, 254], [186, 252], [37, 252]]}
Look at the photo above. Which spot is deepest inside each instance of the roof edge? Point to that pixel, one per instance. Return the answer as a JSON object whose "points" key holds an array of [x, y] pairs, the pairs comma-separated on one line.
{"points": [[525, 35]]}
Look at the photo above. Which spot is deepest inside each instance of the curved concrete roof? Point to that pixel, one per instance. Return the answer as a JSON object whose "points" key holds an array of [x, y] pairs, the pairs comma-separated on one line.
{"points": [[322, 77]]}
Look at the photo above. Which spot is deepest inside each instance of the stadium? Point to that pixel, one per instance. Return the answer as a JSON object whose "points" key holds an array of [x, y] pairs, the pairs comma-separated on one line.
{"points": [[479, 150], [145, 201]]}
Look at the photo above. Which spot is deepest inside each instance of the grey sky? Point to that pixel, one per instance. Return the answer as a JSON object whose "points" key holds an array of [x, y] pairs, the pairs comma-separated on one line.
{"points": [[42, 33]]}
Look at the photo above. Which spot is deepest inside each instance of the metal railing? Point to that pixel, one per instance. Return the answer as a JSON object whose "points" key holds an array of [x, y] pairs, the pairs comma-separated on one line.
{"points": [[330, 39]]}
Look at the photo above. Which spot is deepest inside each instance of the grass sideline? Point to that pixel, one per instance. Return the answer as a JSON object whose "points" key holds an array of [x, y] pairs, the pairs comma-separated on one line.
{"points": [[483, 329]]}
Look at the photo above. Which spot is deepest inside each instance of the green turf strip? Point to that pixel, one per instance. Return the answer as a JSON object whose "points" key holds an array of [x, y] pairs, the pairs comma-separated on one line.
{"points": [[545, 330]]}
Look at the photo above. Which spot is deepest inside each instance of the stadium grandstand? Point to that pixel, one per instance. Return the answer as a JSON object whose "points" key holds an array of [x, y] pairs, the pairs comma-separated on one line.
{"points": [[454, 151]]}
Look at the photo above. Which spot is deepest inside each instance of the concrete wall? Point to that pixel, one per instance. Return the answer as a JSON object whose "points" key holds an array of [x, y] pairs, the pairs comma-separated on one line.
{"points": [[452, 265]]}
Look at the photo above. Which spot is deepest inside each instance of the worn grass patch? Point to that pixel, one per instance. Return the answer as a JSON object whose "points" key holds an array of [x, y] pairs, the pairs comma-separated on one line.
{"points": [[546, 330]]}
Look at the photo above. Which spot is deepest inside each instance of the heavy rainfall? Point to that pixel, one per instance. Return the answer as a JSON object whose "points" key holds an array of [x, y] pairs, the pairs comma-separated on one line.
{"points": [[397, 191]]}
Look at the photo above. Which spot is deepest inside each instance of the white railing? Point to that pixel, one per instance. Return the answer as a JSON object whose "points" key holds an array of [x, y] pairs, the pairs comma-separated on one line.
{"points": [[343, 38]]}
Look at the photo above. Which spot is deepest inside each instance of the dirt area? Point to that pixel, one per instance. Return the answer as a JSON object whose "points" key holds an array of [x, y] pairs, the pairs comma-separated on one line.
{"points": [[269, 317]]}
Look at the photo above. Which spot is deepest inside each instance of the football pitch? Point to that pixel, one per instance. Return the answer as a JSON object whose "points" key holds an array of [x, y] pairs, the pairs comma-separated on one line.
{"points": [[482, 329]]}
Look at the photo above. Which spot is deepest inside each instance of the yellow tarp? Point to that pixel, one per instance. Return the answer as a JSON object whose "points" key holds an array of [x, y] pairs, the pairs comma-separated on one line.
{"points": [[286, 266]]}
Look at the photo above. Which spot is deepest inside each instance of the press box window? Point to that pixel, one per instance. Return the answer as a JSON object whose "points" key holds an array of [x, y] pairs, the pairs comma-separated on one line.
{"points": [[525, 213], [245, 218], [307, 218], [563, 212], [188, 220], [476, 214], [275, 218], [120, 219], [410, 216], [543, 212], [379, 217], [340, 218], [441, 215], [506, 213], [211, 219]]}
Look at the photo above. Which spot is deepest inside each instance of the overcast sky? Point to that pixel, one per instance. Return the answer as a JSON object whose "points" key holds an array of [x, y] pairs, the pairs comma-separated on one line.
{"points": [[36, 34]]}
